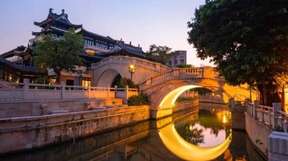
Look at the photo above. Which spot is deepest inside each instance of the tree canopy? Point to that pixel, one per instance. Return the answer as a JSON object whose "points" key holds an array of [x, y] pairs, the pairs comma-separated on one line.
{"points": [[246, 39], [159, 53], [58, 53]]}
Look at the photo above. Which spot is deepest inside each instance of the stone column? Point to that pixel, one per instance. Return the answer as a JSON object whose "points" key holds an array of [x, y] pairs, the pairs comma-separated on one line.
{"points": [[254, 110], [26, 83], [62, 91], [276, 108], [278, 146], [126, 95]]}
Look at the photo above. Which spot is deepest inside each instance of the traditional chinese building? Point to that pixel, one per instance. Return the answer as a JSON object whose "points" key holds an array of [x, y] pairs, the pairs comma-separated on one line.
{"points": [[96, 47]]}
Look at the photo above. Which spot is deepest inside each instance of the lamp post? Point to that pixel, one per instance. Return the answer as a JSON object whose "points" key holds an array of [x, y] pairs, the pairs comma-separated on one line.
{"points": [[131, 69]]}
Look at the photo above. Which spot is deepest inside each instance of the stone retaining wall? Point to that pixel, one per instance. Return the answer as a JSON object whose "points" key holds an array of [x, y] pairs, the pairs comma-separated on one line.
{"points": [[36, 108], [20, 133], [258, 133]]}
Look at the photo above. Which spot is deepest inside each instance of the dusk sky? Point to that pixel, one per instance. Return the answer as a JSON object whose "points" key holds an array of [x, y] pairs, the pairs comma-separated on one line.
{"points": [[145, 22]]}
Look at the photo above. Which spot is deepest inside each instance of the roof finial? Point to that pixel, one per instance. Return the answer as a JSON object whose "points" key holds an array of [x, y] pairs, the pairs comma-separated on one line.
{"points": [[63, 11], [50, 10]]}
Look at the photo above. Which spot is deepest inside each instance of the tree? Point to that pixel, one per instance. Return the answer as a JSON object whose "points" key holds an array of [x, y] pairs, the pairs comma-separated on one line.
{"points": [[246, 39], [58, 54], [159, 53]]}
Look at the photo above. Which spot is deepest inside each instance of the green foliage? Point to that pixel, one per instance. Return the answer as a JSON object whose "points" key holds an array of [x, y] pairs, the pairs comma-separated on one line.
{"points": [[184, 66], [141, 99], [123, 82], [159, 53], [246, 39], [58, 54]]}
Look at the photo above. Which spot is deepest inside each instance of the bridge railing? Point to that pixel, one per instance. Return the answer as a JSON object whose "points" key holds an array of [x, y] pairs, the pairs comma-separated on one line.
{"points": [[174, 74], [272, 117], [124, 60], [22, 92]]}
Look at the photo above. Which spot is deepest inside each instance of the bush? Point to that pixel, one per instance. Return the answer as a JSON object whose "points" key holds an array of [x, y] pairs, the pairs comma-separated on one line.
{"points": [[184, 66], [141, 99]]}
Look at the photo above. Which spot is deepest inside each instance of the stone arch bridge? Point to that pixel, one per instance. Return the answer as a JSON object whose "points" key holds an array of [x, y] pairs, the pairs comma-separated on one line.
{"points": [[164, 84]]}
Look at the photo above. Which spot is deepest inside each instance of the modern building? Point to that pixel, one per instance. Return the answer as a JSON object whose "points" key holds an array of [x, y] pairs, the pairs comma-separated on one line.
{"points": [[178, 58], [17, 63]]}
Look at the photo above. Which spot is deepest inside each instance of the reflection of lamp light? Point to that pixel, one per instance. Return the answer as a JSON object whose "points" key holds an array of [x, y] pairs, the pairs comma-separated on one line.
{"points": [[132, 70], [285, 91], [224, 119], [224, 116]]}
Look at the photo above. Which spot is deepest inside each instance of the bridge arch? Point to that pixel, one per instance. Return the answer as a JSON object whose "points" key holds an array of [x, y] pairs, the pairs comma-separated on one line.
{"points": [[107, 77], [108, 66], [163, 96]]}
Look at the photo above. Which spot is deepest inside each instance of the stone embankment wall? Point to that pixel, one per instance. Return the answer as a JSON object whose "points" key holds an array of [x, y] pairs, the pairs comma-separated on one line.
{"points": [[258, 133], [37, 108], [20, 133]]}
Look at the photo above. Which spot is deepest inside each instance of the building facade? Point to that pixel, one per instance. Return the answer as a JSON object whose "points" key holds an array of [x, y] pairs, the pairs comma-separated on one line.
{"points": [[178, 58]]}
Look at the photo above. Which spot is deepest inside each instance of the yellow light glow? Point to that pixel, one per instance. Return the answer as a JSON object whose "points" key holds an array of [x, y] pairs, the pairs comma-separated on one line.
{"points": [[132, 68], [224, 116], [187, 151], [286, 99], [168, 102]]}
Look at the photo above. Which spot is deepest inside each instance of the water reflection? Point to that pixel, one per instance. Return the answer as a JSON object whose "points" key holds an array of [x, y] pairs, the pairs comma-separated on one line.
{"points": [[181, 145], [155, 141], [208, 130]]}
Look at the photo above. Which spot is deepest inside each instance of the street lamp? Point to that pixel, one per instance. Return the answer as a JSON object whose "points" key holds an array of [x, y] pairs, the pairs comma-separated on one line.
{"points": [[132, 69]]}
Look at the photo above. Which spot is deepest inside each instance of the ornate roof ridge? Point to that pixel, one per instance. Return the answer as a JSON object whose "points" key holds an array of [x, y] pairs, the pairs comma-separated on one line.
{"points": [[62, 17]]}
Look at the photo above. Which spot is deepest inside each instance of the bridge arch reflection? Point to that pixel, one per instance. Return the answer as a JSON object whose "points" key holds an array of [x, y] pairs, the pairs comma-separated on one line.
{"points": [[188, 151]]}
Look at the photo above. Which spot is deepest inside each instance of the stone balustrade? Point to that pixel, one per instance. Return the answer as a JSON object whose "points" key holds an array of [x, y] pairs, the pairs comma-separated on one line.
{"points": [[174, 74], [267, 128], [30, 92], [272, 117], [151, 65]]}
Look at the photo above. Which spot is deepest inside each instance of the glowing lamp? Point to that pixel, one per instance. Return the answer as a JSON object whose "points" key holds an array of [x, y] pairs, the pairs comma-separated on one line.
{"points": [[286, 99], [132, 70]]}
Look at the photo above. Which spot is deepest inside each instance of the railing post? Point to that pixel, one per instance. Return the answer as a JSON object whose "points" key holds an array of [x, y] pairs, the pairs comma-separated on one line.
{"points": [[115, 91], [276, 107], [26, 83], [255, 106], [62, 91], [126, 94]]}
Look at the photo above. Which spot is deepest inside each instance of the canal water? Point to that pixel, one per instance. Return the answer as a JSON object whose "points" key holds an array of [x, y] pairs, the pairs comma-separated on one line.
{"points": [[197, 136]]}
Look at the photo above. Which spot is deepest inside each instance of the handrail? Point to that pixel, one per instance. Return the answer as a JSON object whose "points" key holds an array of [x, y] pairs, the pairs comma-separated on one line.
{"points": [[175, 73], [28, 91], [272, 117]]}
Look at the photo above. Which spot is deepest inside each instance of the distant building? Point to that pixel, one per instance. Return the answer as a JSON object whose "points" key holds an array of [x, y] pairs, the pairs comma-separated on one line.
{"points": [[178, 58], [18, 63]]}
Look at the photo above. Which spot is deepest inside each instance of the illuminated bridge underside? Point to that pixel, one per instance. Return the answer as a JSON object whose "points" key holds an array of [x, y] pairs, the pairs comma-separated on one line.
{"points": [[168, 102], [187, 151]]}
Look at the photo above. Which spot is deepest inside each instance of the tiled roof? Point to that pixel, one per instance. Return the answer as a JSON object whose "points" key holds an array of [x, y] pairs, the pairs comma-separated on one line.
{"points": [[21, 68], [19, 51], [58, 18], [97, 36]]}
